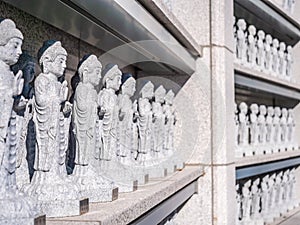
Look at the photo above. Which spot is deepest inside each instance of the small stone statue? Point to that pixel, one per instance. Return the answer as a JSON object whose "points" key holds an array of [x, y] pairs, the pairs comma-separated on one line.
{"points": [[282, 60], [236, 124], [252, 49], [50, 180], [275, 59], [261, 49], [243, 125], [291, 127], [159, 118], [241, 40], [16, 207], [170, 121], [254, 131], [276, 124], [269, 125], [246, 201], [289, 62], [107, 99], [272, 192], [268, 53], [256, 196], [145, 121], [279, 190], [238, 198], [127, 115], [261, 122], [283, 126], [265, 196]]}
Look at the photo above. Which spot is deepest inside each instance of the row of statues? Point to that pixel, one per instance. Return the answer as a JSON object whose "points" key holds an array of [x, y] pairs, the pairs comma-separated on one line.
{"points": [[262, 199], [263, 130], [262, 52], [56, 149]]}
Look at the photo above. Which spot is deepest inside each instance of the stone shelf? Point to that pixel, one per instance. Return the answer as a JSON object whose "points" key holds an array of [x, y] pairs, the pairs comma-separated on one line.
{"points": [[256, 165], [166, 193], [259, 159], [264, 82]]}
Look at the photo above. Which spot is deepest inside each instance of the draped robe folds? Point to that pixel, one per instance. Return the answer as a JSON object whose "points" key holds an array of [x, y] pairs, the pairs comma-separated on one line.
{"points": [[108, 101], [6, 104], [46, 117], [145, 125], [158, 127], [169, 127], [125, 126], [84, 119]]}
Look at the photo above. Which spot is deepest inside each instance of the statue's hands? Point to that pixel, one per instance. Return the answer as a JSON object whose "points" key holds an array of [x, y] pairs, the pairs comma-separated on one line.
{"points": [[67, 108], [18, 83], [64, 91]]}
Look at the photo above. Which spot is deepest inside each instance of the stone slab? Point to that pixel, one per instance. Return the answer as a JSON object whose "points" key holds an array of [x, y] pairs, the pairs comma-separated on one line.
{"points": [[129, 206]]}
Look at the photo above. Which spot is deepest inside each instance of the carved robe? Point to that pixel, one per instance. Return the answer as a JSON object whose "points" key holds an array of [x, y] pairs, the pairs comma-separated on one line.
{"points": [[158, 127], [84, 119], [46, 118], [108, 103], [169, 127]]}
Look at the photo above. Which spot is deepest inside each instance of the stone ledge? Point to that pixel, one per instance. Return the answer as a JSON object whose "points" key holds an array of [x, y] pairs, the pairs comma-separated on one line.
{"points": [[252, 160], [130, 206], [265, 77]]}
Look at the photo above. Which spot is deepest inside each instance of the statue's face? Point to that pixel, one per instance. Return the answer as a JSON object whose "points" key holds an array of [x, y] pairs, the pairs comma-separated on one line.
{"points": [[11, 52], [129, 87], [148, 92], [57, 67], [95, 75], [159, 97], [116, 82]]}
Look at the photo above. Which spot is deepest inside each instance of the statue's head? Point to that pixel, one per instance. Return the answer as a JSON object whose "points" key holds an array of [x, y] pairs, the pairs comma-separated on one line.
{"points": [[277, 111], [284, 112], [147, 90], [268, 38], [261, 34], [243, 107], [52, 58], [169, 97], [275, 43], [11, 40], [160, 94], [128, 84], [262, 110], [290, 112], [289, 49], [254, 108], [111, 76], [241, 23], [270, 111], [89, 70], [252, 29], [282, 46]]}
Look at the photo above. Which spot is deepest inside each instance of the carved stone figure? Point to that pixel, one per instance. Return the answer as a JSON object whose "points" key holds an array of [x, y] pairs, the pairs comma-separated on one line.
{"points": [[238, 198], [145, 121], [276, 124], [246, 201], [260, 49], [25, 126], [16, 208], [256, 195], [279, 190], [158, 126], [243, 125], [127, 114], [241, 40], [236, 124], [289, 62], [49, 181], [268, 53], [283, 126], [261, 122], [269, 125], [107, 99], [275, 59], [282, 60], [289, 5], [265, 196], [169, 123], [272, 193], [253, 124], [291, 127], [252, 49]]}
